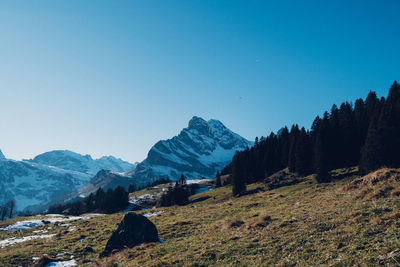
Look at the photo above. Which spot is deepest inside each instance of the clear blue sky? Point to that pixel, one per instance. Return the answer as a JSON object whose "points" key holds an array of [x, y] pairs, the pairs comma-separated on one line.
{"points": [[114, 77]]}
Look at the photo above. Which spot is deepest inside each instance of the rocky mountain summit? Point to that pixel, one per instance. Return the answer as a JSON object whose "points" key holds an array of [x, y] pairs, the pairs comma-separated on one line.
{"points": [[200, 150]]}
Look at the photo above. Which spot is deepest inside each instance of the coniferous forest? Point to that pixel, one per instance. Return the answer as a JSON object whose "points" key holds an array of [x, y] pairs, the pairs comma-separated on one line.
{"points": [[366, 133], [105, 202]]}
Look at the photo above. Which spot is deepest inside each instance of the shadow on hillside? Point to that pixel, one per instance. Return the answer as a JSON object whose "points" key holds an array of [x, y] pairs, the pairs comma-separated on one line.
{"points": [[199, 199], [255, 190], [344, 173]]}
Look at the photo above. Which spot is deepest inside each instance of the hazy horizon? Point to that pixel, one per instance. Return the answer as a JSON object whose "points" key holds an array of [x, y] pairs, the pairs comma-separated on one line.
{"points": [[113, 78]]}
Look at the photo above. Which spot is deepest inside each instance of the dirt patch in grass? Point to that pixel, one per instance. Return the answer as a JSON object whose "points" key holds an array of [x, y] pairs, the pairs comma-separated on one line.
{"points": [[227, 224], [260, 221]]}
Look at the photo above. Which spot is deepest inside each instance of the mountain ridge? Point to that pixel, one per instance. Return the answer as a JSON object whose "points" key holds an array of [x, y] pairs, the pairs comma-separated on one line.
{"points": [[69, 160]]}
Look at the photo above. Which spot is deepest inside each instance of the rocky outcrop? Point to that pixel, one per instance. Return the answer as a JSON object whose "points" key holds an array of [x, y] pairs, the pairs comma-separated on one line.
{"points": [[134, 229]]}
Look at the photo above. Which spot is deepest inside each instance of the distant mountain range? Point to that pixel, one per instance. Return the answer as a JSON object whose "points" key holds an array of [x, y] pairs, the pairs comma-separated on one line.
{"points": [[34, 183], [68, 160], [198, 151]]}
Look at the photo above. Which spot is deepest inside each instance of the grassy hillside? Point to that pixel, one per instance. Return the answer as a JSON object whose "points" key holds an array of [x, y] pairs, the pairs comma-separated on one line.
{"points": [[346, 222]]}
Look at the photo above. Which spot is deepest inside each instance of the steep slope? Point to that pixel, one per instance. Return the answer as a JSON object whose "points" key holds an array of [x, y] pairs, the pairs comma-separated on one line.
{"points": [[68, 160], [200, 150]]}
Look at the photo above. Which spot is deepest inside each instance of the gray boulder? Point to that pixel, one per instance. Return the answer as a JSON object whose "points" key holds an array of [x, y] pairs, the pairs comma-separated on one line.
{"points": [[133, 230]]}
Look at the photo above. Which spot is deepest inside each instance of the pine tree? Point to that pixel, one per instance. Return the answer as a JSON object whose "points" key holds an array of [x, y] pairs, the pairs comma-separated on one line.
{"points": [[322, 150], [303, 153], [11, 206], [238, 175], [284, 145], [389, 127], [294, 132], [3, 211], [182, 180], [89, 201], [372, 156], [120, 199], [99, 198]]}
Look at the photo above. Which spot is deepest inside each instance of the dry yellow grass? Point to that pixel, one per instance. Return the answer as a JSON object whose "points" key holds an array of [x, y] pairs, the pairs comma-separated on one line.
{"points": [[304, 224]]}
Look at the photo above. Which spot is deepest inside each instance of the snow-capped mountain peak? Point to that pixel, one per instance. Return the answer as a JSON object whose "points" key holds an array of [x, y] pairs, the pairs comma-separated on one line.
{"points": [[200, 150]]}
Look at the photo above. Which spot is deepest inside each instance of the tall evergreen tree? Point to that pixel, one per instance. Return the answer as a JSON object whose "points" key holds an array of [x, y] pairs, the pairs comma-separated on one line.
{"points": [[182, 180], [238, 175], [284, 145], [294, 133], [389, 126], [303, 153], [372, 156], [321, 150]]}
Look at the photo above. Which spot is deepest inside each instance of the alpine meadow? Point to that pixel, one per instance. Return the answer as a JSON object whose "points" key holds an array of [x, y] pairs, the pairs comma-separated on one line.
{"points": [[199, 133]]}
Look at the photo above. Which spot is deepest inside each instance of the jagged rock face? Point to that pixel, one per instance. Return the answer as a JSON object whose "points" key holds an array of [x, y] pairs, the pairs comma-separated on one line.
{"points": [[68, 160], [200, 150], [133, 230]]}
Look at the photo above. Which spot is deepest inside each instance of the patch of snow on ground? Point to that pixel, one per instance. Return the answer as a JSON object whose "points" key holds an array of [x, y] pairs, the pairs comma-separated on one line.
{"points": [[28, 224], [151, 214], [141, 199], [72, 228], [197, 181], [62, 263], [14, 240], [22, 225]]}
